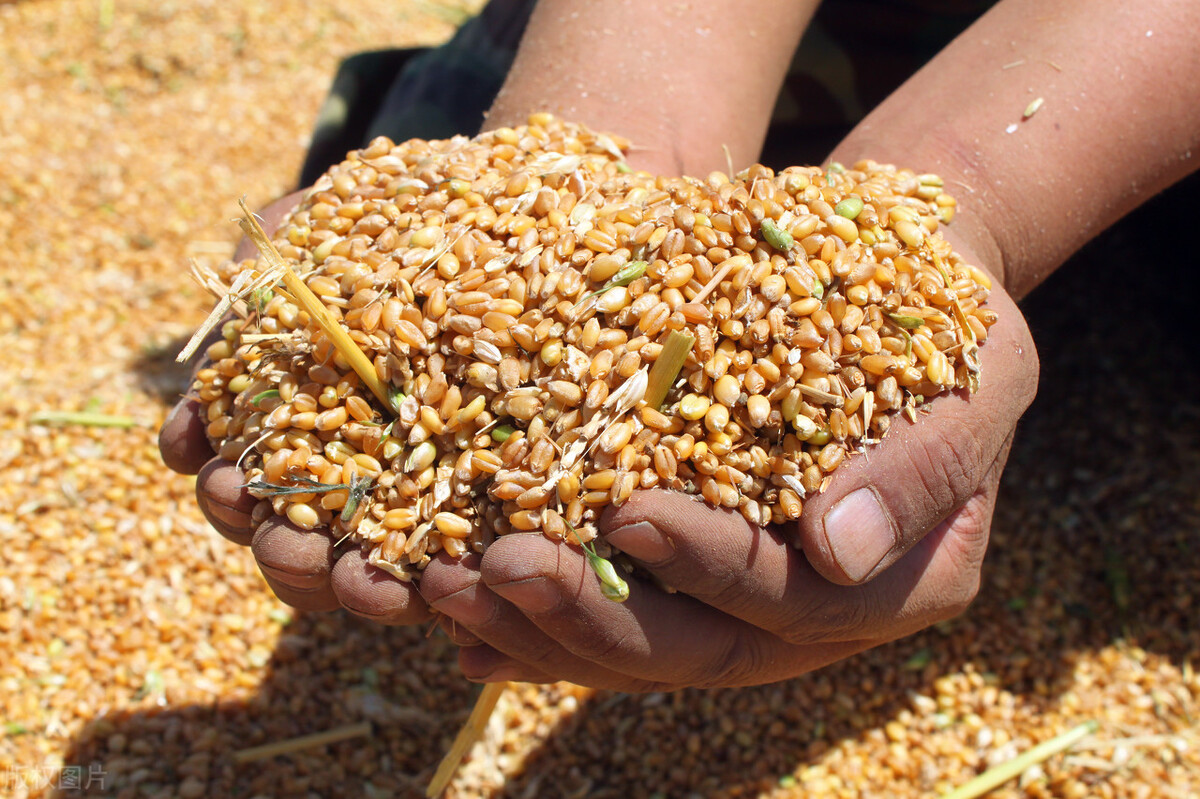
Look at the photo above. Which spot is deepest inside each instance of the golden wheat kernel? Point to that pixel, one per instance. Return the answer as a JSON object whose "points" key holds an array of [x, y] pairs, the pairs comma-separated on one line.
{"points": [[858, 295], [922, 346], [678, 275], [693, 406], [328, 397], [216, 351], [451, 524], [894, 345], [726, 390], [938, 369], [615, 437], [391, 549], [804, 307], [838, 424], [486, 461], [302, 516], [303, 421], [337, 451], [720, 444], [526, 520], [986, 317], [911, 233], [367, 465], [831, 456], [684, 446], [819, 362], [624, 487], [773, 287], [805, 427], [845, 229], [729, 496], [790, 504], [716, 418], [758, 409], [551, 353], [239, 383], [524, 407], [426, 477], [596, 498], [733, 329]]}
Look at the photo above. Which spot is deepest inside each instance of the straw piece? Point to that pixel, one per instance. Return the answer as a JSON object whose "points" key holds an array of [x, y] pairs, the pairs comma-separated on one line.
{"points": [[666, 368], [470, 733], [995, 777], [84, 418], [302, 742], [316, 309]]}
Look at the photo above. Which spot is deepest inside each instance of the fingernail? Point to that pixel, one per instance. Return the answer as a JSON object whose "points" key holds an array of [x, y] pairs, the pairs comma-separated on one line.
{"points": [[644, 542], [536, 595], [467, 606], [859, 533]]}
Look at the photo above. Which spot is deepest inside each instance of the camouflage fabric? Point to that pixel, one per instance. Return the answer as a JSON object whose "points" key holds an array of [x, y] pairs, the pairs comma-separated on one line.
{"points": [[852, 56]]}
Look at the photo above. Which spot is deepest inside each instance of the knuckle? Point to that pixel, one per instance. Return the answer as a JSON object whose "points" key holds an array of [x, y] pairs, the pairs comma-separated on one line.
{"points": [[542, 655], [946, 465], [846, 618], [735, 663], [639, 686], [962, 600], [724, 589], [602, 648]]}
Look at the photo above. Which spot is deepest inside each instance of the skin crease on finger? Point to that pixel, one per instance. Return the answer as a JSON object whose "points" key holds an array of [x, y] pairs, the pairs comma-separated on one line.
{"points": [[296, 563], [225, 502], [182, 441], [453, 588], [374, 594]]}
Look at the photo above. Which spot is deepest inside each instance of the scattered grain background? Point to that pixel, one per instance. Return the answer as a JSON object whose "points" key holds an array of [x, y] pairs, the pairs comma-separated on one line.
{"points": [[141, 648]]}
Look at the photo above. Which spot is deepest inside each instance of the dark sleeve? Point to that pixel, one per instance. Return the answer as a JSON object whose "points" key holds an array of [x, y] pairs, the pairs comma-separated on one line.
{"points": [[427, 93]]}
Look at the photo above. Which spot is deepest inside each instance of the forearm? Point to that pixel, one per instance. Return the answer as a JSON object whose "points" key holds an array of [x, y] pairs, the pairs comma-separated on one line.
{"points": [[1120, 121], [681, 80]]}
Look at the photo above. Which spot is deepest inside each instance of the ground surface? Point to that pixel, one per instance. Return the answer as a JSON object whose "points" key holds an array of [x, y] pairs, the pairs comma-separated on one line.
{"points": [[141, 650]]}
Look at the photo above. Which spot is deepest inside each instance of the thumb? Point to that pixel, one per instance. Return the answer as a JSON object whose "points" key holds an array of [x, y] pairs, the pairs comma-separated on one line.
{"points": [[882, 502]]}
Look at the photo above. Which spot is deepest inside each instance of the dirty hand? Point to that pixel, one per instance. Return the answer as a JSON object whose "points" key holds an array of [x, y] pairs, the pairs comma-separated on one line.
{"points": [[893, 545]]}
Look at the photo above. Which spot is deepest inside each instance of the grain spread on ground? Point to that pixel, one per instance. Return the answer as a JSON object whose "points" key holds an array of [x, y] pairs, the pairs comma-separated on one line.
{"points": [[143, 651]]}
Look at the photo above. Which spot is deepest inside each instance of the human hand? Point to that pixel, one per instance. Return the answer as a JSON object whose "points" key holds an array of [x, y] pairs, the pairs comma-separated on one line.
{"points": [[301, 566], [893, 545]]}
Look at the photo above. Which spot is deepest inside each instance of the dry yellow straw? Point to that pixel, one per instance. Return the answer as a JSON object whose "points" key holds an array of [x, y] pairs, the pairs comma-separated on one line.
{"points": [[85, 418], [316, 309], [471, 732], [302, 742], [995, 777], [666, 368]]}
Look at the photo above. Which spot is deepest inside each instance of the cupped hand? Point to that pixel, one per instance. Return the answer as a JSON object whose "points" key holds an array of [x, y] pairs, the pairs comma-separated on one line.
{"points": [[301, 566], [893, 545]]}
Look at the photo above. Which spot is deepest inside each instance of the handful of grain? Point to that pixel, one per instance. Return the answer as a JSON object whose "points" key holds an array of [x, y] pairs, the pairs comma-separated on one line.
{"points": [[546, 331]]}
